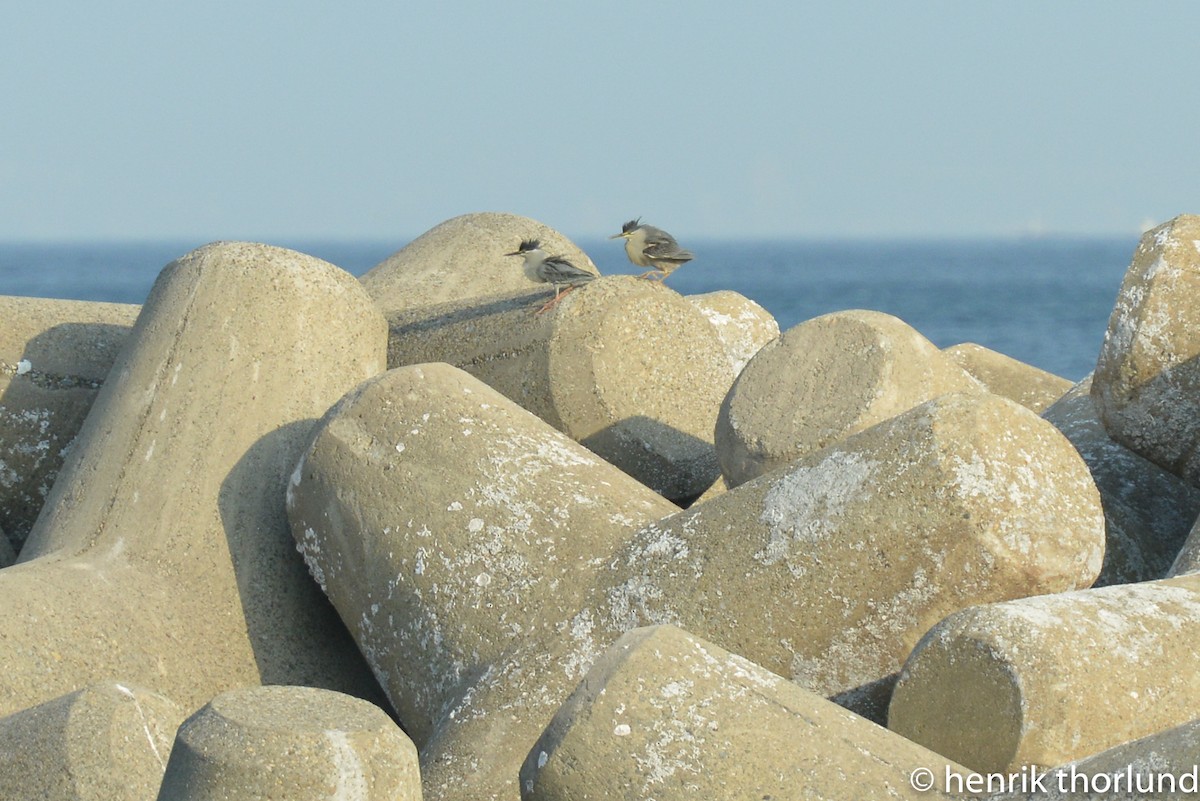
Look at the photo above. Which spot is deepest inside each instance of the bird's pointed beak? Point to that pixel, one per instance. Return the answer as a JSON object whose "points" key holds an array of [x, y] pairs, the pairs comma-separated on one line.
{"points": [[515, 253], [621, 235]]}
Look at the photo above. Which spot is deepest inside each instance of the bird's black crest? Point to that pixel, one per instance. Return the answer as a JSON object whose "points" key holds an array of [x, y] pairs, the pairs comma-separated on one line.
{"points": [[528, 245], [629, 226]]}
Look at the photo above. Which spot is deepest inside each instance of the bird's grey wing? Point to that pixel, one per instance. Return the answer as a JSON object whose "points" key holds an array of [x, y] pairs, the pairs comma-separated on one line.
{"points": [[557, 270], [661, 245]]}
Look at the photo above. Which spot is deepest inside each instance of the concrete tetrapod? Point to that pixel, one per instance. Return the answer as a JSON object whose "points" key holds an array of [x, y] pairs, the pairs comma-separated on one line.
{"points": [[1032, 387], [1148, 372], [462, 259], [823, 380], [106, 742], [54, 355], [829, 571], [294, 743], [1148, 512], [628, 368], [741, 324], [457, 534], [666, 715], [162, 554], [1161, 766], [1043, 681], [481, 594]]}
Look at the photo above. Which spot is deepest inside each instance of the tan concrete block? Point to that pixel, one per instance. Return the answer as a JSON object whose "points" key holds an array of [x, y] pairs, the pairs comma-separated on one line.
{"points": [[1161, 766], [1029, 386], [830, 570], [478, 612], [1147, 377], [822, 381], [457, 534], [294, 743], [627, 367], [743, 326], [106, 742], [1043, 681], [463, 259], [1148, 512], [163, 553], [54, 355], [666, 715]]}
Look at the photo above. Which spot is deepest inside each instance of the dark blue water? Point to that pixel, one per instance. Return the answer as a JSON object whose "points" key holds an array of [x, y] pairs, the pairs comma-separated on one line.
{"points": [[1043, 301]]}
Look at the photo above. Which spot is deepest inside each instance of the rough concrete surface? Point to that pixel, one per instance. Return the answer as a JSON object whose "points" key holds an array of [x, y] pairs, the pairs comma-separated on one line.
{"points": [[54, 355], [105, 742], [442, 574], [1148, 512], [1161, 766], [1029, 386], [463, 259], [742, 325], [829, 571], [1149, 364], [1043, 681], [666, 715], [162, 554], [293, 743], [823, 380], [627, 367]]}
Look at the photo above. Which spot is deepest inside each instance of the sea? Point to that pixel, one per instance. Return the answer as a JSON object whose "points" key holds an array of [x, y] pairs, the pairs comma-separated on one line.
{"points": [[1043, 300]]}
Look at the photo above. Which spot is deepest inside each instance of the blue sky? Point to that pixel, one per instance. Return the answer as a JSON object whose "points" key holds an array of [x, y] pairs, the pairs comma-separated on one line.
{"points": [[373, 120]]}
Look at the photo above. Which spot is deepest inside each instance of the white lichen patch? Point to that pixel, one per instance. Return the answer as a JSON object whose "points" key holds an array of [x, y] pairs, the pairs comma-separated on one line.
{"points": [[294, 482], [638, 601], [805, 506], [350, 776], [309, 546]]}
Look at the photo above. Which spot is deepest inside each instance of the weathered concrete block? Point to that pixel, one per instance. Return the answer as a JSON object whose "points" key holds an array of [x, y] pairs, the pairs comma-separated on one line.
{"points": [[457, 534], [666, 715], [742, 325], [1148, 512], [1043, 681], [472, 599], [1029, 386], [462, 259], [295, 743], [54, 355], [628, 368], [163, 553], [1161, 766], [1147, 378], [830, 570], [822, 381], [106, 742]]}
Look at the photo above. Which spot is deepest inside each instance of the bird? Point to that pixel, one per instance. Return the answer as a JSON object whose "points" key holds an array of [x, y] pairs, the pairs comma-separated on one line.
{"points": [[554, 270], [647, 246]]}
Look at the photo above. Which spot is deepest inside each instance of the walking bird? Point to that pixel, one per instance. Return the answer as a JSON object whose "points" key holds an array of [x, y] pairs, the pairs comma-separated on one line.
{"points": [[554, 270], [647, 246]]}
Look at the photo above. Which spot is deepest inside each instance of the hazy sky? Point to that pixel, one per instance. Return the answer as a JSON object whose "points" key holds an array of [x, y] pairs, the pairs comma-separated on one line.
{"points": [[299, 119]]}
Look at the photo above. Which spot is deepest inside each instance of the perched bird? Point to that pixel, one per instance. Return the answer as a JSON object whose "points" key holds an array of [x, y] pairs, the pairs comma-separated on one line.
{"points": [[647, 246], [551, 270]]}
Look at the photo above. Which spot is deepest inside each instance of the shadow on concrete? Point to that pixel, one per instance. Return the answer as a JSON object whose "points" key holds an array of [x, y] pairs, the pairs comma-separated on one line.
{"points": [[42, 408], [297, 636], [677, 465]]}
